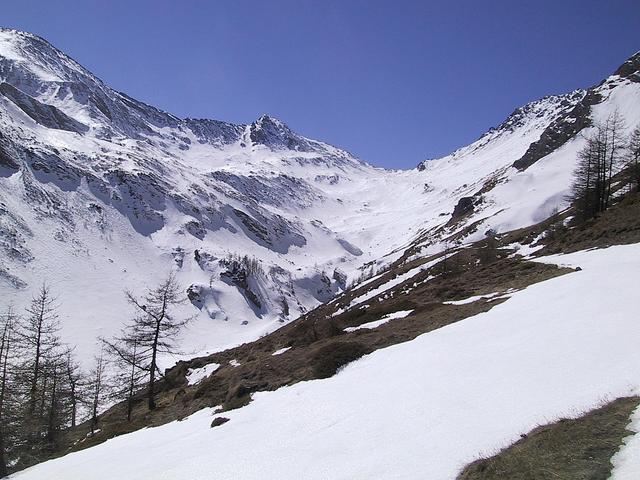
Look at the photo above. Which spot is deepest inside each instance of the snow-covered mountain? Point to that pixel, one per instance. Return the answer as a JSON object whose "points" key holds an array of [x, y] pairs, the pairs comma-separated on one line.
{"points": [[100, 192]]}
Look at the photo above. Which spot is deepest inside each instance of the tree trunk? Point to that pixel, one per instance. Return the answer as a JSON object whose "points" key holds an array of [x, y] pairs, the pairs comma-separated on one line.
{"points": [[74, 410], [3, 458], [4, 356], [51, 424], [131, 382], [152, 373], [154, 352], [36, 362]]}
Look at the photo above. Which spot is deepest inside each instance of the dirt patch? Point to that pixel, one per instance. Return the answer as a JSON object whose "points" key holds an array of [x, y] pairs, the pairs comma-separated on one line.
{"points": [[577, 449]]}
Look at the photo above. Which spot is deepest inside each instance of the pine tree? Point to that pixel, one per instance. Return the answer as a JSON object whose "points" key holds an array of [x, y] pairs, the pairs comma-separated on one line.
{"points": [[634, 159], [154, 329], [614, 127], [74, 378], [40, 349], [129, 372], [602, 155], [6, 353], [96, 390], [61, 398], [55, 400]]}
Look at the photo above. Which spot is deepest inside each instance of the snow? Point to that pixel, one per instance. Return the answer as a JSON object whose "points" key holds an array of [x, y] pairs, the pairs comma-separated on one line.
{"points": [[376, 323], [350, 214], [195, 375], [626, 462], [234, 363], [475, 298], [364, 216], [470, 299], [9, 49], [525, 251], [373, 293], [413, 409], [280, 351]]}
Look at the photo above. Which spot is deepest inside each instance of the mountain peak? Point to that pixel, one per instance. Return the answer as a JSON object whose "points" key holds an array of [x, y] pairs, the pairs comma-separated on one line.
{"points": [[275, 134], [48, 76], [267, 121], [38, 57], [15, 34]]}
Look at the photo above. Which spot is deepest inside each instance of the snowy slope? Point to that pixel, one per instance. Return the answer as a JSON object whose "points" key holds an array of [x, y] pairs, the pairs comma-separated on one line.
{"points": [[626, 462], [414, 410], [100, 192]]}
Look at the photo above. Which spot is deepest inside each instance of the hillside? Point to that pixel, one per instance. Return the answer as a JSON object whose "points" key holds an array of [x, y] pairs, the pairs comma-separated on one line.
{"points": [[99, 192], [351, 321], [430, 405]]}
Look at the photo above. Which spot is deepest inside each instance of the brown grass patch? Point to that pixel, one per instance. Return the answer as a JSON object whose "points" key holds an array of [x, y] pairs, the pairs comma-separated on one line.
{"points": [[577, 449]]}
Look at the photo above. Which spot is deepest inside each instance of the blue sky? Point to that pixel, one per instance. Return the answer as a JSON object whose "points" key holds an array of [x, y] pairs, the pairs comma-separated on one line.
{"points": [[393, 82]]}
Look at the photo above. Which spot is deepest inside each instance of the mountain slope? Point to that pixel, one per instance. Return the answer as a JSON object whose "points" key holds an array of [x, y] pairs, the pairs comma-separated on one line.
{"points": [[424, 407], [100, 192], [264, 227]]}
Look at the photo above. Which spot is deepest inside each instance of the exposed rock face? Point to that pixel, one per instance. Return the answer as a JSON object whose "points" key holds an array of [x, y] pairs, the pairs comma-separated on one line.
{"points": [[568, 125], [630, 69], [276, 135], [196, 228], [8, 164], [273, 231], [523, 114], [245, 274], [544, 111], [41, 113], [195, 296], [560, 131], [215, 132], [340, 277], [276, 190], [465, 206]]}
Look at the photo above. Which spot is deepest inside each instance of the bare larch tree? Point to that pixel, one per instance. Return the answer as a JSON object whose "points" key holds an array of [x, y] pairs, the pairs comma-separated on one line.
{"points": [[154, 329]]}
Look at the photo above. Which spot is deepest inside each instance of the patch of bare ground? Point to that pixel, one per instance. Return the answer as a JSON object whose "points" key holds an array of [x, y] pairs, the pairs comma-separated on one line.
{"points": [[575, 449]]}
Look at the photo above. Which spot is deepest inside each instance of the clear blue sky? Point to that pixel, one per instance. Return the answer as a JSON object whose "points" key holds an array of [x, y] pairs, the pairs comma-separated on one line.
{"points": [[394, 82]]}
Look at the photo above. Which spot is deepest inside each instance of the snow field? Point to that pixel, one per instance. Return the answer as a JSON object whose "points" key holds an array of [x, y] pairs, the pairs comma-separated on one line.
{"points": [[423, 408]]}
